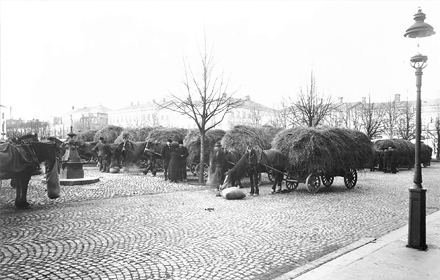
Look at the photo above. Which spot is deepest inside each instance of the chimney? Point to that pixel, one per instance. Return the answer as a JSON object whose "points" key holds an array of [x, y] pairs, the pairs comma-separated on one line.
{"points": [[247, 97], [131, 104], [340, 99], [73, 107], [397, 97], [364, 100]]}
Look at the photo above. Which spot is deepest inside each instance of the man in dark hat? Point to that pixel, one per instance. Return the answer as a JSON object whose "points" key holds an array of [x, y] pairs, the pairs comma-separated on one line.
{"points": [[183, 151], [166, 156]]}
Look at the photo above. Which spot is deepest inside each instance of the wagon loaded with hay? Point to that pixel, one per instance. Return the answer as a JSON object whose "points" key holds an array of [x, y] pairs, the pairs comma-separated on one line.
{"points": [[316, 155], [193, 143]]}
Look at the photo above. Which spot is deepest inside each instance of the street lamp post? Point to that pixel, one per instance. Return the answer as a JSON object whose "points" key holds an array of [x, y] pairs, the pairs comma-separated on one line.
{"points": [[417, 195]]}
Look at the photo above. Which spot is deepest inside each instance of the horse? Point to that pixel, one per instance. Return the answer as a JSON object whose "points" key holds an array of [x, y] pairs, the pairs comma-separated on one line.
{"points": [[152, 154], [19, 162], [86, 152], [25, 139], [129, 152], [252, 164]]}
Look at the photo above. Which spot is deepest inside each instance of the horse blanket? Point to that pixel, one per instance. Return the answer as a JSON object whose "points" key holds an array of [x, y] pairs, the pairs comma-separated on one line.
{"points": [[15, 158]]}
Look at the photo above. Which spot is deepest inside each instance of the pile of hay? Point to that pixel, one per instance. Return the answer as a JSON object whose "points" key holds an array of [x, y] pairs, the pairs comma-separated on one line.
{"points": [[242, 136], [323, 150], [110, 133], [192, 142], [162, 134], [134, 134], [86, 136], [425, 153], [405, 151]]}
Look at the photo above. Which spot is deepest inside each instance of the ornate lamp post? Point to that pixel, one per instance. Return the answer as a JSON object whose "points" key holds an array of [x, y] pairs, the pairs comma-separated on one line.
{"points": [[417, 195]]}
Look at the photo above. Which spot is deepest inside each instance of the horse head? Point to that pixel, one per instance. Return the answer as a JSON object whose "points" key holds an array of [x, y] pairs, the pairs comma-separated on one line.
{"points": [[46, 151]]}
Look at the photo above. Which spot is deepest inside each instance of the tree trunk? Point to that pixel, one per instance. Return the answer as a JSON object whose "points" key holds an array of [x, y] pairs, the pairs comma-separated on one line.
{"points": [[202, 158]]}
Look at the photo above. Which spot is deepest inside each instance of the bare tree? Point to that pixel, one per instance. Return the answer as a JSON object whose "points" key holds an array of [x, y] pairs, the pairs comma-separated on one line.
{"points": [[392, 116], [435, 134], [406, 127], [204, 99], [255, 116], [371, 119], [311, 107], [280, 116]]}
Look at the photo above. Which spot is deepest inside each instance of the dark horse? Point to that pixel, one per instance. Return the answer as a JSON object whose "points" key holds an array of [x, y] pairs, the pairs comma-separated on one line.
{"points": [[252, 164], [19, 163], [129, 152]]}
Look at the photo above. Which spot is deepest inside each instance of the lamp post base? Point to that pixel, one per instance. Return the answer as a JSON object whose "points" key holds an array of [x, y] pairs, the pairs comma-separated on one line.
{"points": [[417, 219]]}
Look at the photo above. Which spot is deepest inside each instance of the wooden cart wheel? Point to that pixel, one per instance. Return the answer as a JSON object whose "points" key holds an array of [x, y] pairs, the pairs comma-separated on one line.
{"points": [[291, 185], [270, 176], [205, 170], [350, 178], [313, 183], [327, 180]]}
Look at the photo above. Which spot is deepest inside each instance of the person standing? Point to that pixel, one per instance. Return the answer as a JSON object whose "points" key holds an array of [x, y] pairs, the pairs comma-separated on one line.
{"points": [[216, 168], [166, 156], [100, 149], [183, 155], [107, 158], [175, 174]]}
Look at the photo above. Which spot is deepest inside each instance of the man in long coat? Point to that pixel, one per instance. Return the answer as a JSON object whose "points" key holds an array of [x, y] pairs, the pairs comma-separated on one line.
{"points": [[166, 155], [183, 155]]}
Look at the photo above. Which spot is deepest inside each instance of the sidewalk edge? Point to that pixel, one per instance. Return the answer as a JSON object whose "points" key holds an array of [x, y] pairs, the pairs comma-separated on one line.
{"points": [[374, 245], [325, 259]]}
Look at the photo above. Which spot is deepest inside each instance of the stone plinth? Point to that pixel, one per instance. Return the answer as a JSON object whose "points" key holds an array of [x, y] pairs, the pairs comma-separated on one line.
{"points": [[72, 170]]}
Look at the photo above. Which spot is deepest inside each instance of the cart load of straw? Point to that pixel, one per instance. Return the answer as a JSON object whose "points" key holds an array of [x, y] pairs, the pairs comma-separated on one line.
{"points": [[192, 142], [134, 134], [110, 133], [405, 151], [162, 134], [241, 136], [323, 150]]}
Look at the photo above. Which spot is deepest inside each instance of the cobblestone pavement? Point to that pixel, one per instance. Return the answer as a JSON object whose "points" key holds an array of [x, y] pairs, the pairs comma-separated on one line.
{"points": [[132, 226]]}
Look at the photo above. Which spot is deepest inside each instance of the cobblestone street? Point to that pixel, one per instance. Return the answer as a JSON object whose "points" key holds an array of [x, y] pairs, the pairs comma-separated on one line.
{"points": [[132, 226]]}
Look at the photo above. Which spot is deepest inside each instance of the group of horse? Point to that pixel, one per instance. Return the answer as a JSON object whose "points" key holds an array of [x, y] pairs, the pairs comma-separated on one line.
{"points": [[21, 158], [254, 162], [235, 166]]}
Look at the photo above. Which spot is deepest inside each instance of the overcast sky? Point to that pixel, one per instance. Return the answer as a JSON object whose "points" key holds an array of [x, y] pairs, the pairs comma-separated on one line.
{"points": [[59, 54]]}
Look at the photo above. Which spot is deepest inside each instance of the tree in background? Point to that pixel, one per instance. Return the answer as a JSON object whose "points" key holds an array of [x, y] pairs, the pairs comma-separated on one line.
{"points": [[311, 107], [205, 98], [371, 119], [406, 127], [280, 116], [392, 116]]}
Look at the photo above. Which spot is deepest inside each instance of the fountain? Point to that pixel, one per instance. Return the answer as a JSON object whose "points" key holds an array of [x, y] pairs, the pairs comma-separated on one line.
{"points": [[72, 172]]}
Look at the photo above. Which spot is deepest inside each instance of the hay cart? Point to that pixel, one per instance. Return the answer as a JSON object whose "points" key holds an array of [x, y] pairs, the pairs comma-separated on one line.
{"points": [[313, 180]]}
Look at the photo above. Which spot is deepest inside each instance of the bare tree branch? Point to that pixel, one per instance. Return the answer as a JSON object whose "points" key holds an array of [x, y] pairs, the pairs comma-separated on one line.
{"points": [[205, 98]]}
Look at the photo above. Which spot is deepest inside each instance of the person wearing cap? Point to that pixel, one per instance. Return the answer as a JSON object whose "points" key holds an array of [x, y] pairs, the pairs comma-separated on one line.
{"points": [[183, 152], [166, 156]]}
